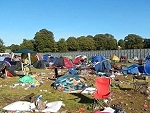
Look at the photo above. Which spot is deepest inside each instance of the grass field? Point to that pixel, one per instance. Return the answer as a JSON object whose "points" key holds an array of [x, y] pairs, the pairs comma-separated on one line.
{"points": [[122, 93]]}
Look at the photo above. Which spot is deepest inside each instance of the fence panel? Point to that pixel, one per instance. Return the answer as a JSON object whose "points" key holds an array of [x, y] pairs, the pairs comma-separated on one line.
{"points": [[130, 53]]}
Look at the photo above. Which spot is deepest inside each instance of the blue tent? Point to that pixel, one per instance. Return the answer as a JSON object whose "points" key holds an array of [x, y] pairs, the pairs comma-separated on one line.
{"points": [[145, 69], [46, 57], [97, 59], [133, 69], [103, 66]]}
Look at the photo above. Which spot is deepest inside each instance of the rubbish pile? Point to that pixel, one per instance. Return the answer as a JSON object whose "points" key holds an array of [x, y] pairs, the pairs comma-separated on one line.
{"points": [[36, 106]]}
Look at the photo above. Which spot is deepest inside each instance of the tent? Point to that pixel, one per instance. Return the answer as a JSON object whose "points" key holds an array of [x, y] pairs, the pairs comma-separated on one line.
{"points": [[103, 66], [97, 59], [79, 59], [63, 62], [133, 69], [145, 69], [27, 51], [115, 58]]}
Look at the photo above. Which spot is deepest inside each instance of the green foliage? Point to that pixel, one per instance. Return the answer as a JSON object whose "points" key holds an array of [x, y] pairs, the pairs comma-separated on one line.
{"points": [[111, 42], [133, 41], [2, 47], [62, 45], [85, 43], [44, 41], [100, 42], [121, 43], [146, 43], [14, 47], [27, 44], [72, 44]]}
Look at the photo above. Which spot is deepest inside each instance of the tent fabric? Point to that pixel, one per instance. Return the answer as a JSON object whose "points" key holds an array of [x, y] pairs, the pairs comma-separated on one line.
{"points": [[9, 68], [77, 61], [53, 59], [147, 67], [27, 79], [8, 59], [70, 83], [63, 62], [103, 66], [40, 64], [147, 57], [46, 57], [133, 69], [25, 51], [97, 59], [115, 58]]}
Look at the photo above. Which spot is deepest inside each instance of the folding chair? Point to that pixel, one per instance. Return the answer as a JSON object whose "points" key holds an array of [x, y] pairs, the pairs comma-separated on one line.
{"points": [[102, 95], [139, 83]]}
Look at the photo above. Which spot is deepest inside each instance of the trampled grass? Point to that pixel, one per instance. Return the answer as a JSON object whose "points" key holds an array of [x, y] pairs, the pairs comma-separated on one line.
{"points": [[122, 93]]}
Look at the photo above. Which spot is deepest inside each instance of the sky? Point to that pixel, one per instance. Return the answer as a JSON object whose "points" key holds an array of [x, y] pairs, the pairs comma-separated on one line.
{"points": [[21, 19]]}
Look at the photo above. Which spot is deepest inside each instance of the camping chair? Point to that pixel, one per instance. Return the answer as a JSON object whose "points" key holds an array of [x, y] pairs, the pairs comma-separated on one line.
{"points": [[102, 95], [139, 82]]}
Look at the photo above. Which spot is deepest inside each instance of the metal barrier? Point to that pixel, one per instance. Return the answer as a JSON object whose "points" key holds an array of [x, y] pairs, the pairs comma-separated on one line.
{"points": [[129, 53]]}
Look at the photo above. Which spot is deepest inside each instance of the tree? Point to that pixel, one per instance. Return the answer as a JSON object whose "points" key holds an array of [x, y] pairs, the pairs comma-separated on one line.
{"points": [[133, 41], [100, 42], [146, 43], [27, 44], [44, 41], [14, 47], [111, 42], [2, 47], [72, 44], [86, 43], [62, 45], [121, 44]]}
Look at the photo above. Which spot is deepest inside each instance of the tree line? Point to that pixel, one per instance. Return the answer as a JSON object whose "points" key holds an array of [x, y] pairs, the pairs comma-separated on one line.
{"points": [[44, 41]]}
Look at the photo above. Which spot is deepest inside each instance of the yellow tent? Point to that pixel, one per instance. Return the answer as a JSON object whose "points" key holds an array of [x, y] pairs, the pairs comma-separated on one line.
{"points": [[115, 58]]}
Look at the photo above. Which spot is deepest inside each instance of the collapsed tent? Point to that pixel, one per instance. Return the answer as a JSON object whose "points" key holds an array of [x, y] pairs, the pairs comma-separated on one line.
{"points": [[103, 66], [97, 59], [133, 69], [70, 83], [40, 64], [8, 69], [79, 59]]}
